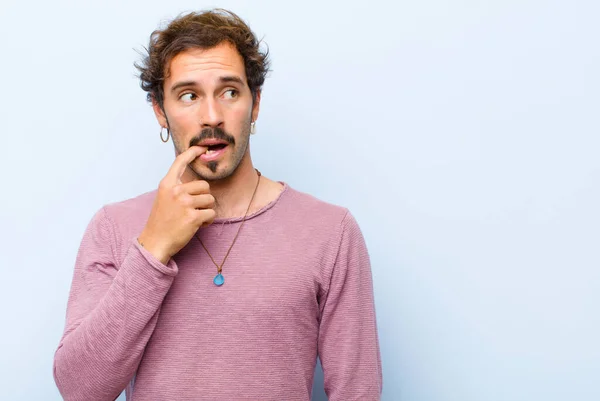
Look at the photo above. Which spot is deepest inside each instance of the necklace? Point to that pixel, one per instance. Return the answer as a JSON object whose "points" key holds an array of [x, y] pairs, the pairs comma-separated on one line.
{"points": [[219, 280]]}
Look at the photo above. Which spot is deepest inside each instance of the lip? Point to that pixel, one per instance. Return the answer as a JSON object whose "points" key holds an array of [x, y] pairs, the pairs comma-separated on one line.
{"points": [[214, 155]]}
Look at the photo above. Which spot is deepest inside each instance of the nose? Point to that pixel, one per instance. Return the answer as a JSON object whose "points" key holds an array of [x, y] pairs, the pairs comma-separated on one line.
{"points": [[211, 115]]}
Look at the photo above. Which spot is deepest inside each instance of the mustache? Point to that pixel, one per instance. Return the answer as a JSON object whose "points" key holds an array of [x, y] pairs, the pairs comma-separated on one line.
{"points": [[212, 133]]}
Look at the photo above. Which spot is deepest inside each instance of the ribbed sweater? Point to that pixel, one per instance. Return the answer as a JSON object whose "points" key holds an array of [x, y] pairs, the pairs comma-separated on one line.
{"points": [[298, 285]]}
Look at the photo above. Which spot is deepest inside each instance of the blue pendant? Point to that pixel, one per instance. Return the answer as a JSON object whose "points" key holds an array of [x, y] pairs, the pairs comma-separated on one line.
{"points": [[219, 280]]}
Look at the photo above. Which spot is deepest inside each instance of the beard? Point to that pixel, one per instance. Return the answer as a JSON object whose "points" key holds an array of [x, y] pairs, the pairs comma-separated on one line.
{"points": [[224, 167]]}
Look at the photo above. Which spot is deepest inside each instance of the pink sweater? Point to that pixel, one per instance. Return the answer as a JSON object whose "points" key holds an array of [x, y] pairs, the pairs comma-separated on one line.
{"points": [[297, 285]]}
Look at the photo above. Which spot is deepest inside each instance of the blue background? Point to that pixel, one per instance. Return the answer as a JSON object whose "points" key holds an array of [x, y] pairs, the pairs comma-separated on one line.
{"points": [[462, 135]]}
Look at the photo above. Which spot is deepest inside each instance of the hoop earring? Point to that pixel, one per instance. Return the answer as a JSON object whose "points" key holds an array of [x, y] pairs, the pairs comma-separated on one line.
{"points": [[252, 128], [161, 134]]}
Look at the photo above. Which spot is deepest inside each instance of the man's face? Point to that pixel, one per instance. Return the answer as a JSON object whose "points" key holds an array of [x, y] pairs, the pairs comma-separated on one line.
{"points": [[207, 100]]}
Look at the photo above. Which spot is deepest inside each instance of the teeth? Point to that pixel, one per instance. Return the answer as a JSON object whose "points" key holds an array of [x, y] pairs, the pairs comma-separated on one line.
{"points": [[208, 152]]}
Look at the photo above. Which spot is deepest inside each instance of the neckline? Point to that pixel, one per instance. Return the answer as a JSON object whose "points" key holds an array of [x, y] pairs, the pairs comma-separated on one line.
{"points": [[256, 213]]}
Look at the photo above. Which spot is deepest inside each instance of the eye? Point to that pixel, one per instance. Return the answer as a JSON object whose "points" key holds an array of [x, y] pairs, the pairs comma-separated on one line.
{"points": [[231, 94], [187, 97]]}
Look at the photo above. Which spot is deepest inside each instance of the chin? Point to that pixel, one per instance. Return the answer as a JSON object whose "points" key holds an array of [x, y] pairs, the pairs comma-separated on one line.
{"points": [[213, 171]]}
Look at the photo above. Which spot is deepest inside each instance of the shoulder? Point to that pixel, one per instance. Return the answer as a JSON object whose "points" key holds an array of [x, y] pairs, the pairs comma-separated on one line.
{"points": [[314, 211], [131, 209], [126, 218]]}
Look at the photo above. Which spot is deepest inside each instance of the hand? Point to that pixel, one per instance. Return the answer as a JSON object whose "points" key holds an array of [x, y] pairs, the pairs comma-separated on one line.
{"points": [[178, 210]]}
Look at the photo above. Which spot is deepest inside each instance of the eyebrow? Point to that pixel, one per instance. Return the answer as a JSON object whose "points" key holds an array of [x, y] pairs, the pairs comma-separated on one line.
{"points": [[223, 79], [231, 78]]}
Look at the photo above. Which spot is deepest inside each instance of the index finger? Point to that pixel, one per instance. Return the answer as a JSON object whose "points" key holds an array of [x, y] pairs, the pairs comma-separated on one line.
{"points": [[179, 165]]}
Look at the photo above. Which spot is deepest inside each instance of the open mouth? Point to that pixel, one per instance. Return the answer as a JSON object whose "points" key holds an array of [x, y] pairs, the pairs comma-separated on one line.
{"points": [[213, 152], [213, 148]]}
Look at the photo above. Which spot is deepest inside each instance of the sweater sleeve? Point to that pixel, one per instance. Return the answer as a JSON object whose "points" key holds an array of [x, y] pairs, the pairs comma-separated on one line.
{"points": [[111, 313], [348, 342]]}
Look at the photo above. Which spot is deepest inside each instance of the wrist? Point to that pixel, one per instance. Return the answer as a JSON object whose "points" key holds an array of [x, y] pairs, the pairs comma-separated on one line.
{"points": [[155, 250]]}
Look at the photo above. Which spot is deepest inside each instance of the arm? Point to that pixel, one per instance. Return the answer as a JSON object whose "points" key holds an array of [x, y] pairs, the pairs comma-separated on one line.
{"points": [[111, 313], [348, 343]]}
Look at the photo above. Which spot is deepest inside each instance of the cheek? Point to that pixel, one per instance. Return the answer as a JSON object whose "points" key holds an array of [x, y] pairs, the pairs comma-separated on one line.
{"points": [[184, 124], [183, 116], [238, 118], [241, 111]]}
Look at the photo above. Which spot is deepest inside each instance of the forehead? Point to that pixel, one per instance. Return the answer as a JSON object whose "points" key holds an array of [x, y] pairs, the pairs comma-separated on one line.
{"points": [[205, 66]]}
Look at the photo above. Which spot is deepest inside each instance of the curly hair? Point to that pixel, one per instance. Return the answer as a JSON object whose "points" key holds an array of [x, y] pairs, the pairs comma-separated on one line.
{"points": [[203, 30]]}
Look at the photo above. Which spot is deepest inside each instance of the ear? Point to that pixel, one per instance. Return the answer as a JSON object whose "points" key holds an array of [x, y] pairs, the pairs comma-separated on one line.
{"points": [[256, 106], [160, 116]]}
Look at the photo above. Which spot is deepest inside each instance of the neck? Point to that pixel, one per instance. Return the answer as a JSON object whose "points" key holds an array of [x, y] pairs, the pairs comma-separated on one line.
{"points": [[232, 194]]}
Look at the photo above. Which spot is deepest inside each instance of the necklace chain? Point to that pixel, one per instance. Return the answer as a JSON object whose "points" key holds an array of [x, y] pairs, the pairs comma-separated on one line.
{"points": [[220, 268]]}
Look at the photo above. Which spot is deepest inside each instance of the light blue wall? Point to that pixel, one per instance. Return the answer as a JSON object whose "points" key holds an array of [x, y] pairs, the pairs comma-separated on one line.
{"points": [[462, 135]]}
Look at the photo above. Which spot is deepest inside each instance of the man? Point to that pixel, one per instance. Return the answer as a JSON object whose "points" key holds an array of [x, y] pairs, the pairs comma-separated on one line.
{"points": [[221, 284]]}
